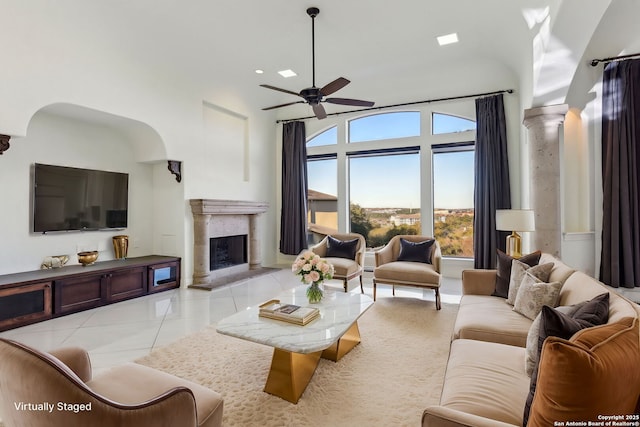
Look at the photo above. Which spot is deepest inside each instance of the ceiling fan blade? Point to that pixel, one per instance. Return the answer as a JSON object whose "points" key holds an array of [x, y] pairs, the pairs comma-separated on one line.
{"points": [[280, 90], [283, 105], [347, 101], [334, 86], [318, 110]]}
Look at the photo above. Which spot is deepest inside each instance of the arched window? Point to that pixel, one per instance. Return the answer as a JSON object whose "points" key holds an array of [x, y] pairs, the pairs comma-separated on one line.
{"points": [[446, 123], [327, 137], [399, 124]]}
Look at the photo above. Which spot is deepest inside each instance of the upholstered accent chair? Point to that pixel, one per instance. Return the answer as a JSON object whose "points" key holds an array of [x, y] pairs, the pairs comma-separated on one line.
{"points": [[127, 395], [346, 253], [409, 260]]}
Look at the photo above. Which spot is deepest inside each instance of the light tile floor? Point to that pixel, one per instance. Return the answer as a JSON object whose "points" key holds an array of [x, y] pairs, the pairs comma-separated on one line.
{"points": [[128, 330]]}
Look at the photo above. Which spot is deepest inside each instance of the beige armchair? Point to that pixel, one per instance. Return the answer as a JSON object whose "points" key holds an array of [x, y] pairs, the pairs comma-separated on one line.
{"points": [[345, 269], [407, 273], [127, 395]]}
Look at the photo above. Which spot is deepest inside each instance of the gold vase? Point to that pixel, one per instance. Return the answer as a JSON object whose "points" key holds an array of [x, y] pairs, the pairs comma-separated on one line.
{"points": [[120, 246]]}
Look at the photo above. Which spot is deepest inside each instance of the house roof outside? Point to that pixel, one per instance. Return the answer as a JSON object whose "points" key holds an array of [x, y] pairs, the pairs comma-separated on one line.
{"points": [[313, 195]]}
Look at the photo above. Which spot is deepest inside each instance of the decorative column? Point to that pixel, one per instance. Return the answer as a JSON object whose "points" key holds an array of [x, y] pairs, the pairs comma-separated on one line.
{"points": [[255, 256], [543, 124], [201, 262]]}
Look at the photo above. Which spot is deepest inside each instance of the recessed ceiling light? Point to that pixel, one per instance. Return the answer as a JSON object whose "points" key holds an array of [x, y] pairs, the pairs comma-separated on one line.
{"points": [[287, 73], [448, 39], [259, 71]]}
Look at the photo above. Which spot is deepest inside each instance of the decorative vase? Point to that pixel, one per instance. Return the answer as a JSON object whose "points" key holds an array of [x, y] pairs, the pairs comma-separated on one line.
{"points": [[314, 292], [120, 246]]}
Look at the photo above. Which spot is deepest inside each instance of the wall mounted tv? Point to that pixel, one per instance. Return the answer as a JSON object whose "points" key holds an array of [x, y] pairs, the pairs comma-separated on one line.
{"points": [[67, 199]]}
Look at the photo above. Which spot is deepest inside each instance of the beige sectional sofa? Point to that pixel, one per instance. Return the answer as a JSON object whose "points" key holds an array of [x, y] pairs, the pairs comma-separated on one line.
{"points": [[485, 382]]}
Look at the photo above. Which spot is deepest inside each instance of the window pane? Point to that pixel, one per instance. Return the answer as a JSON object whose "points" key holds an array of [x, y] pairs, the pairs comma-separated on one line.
{"points": [[384, 196], [323, 202], [385, 126], [453, 202], [445, 123], [328, 137]]}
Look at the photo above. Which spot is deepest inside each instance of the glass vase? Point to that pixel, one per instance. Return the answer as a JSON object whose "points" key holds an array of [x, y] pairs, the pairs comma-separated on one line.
{"points": [[314, 292]]}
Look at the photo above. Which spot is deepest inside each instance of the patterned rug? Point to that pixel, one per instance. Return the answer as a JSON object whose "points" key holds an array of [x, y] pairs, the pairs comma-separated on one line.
{"points": [[387, 380]]}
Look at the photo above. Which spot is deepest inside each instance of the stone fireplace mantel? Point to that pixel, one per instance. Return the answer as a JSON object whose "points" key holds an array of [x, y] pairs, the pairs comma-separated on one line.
{"points": [[219, 218]]}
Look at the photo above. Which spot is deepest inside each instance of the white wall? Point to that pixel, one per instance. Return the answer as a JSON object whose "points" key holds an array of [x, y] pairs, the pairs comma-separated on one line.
{"points": [[62, 141]]}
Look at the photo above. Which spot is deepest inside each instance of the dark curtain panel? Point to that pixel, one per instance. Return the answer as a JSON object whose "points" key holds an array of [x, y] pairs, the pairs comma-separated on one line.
{"points": [[620, 258], [491, 190], [293, 218]]}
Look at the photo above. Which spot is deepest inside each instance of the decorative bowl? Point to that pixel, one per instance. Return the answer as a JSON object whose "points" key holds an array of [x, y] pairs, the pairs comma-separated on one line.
{"points": [[87, 258]]}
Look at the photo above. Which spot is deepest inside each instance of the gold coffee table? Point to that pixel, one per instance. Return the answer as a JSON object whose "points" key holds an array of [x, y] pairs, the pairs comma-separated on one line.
{"points": [[298, 349]]}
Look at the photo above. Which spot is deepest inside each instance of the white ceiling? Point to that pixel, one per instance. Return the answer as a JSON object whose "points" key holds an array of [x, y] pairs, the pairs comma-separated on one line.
{"points": [[387, 49]]}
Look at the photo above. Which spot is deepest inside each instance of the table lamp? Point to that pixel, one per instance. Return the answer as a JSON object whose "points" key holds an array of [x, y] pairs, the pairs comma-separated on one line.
{"points": [[515, 220]]}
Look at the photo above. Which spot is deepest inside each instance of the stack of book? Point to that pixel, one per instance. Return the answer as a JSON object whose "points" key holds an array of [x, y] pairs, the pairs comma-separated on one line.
{"points": [[288, 312]]}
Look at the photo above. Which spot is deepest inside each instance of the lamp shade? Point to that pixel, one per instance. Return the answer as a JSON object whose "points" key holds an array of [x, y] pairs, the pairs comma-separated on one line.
{"points": [[515, 220]]}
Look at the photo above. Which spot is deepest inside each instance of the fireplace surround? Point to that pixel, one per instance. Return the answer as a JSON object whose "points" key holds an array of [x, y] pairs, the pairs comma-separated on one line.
{"points": [[213, 218]]}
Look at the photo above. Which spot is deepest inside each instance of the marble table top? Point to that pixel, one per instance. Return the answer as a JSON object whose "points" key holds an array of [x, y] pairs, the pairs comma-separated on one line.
{"points": [[338, 312]]}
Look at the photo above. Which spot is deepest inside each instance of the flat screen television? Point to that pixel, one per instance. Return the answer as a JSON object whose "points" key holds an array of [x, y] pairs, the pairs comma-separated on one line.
{"points": [[67, 199]]}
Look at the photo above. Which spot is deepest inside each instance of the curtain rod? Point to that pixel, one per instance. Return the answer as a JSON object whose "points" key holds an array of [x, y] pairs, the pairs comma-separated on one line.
{"points": [[451, 98], [595, 62]]}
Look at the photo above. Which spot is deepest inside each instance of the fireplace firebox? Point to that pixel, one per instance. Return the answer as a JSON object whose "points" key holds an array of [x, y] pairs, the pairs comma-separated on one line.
{"points": [[227, 251]]}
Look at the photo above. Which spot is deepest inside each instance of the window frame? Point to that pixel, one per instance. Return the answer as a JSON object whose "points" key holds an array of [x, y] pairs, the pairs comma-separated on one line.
{"points": [[457, 116], [453, 147]]}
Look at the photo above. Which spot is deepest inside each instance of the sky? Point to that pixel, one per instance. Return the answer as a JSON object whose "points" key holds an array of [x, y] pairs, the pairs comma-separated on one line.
{"points": [[394, 181]]}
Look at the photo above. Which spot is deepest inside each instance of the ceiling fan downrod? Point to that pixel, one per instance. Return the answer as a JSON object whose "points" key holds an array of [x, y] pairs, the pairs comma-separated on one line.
{"points": [[313, 12]]}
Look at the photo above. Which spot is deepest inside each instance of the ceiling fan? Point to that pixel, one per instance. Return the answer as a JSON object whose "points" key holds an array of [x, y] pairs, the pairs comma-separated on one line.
{"points": [[314, 95]]}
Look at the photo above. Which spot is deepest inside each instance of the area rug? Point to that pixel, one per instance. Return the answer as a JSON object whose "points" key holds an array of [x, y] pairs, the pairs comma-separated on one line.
{"points": [[387, 380]]}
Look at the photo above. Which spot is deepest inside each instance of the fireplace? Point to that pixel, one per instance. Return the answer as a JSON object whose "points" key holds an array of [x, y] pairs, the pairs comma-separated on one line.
{"points": [[226, 238], [227, 251]]}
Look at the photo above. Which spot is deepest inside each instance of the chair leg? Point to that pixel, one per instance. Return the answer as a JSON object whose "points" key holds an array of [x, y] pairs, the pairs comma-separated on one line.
{"points": [[438, 303], [374, 289], [361, 287], [345, 285]]}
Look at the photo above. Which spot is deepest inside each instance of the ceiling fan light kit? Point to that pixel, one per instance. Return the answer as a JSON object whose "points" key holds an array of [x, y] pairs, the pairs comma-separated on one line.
{"points": [[313, 95]]}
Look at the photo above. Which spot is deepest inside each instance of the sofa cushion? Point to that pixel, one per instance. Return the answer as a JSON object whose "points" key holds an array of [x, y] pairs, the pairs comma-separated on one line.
{"points": [[596, 372], [343, 266], [504, 270], [411, 272], [586, 314], [519, 270], [533, 295], [487, 318], [341, 248], [486, 379], [416, 251]]}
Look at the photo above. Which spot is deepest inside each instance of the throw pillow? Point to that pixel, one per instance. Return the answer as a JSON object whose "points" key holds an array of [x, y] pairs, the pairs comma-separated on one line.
{"points": [[554, 323], [503, 273], [518, 270], [533, 295], [532, 350], [341, 248], [416, 251], [590, 313], [595, 372]]}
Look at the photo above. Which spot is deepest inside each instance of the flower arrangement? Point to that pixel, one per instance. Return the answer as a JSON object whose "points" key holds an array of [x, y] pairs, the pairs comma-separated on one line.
{"points": [[312, 270]]}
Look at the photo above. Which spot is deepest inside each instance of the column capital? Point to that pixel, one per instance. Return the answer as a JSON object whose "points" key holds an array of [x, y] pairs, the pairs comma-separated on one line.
{"points": [[548, 115]]}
